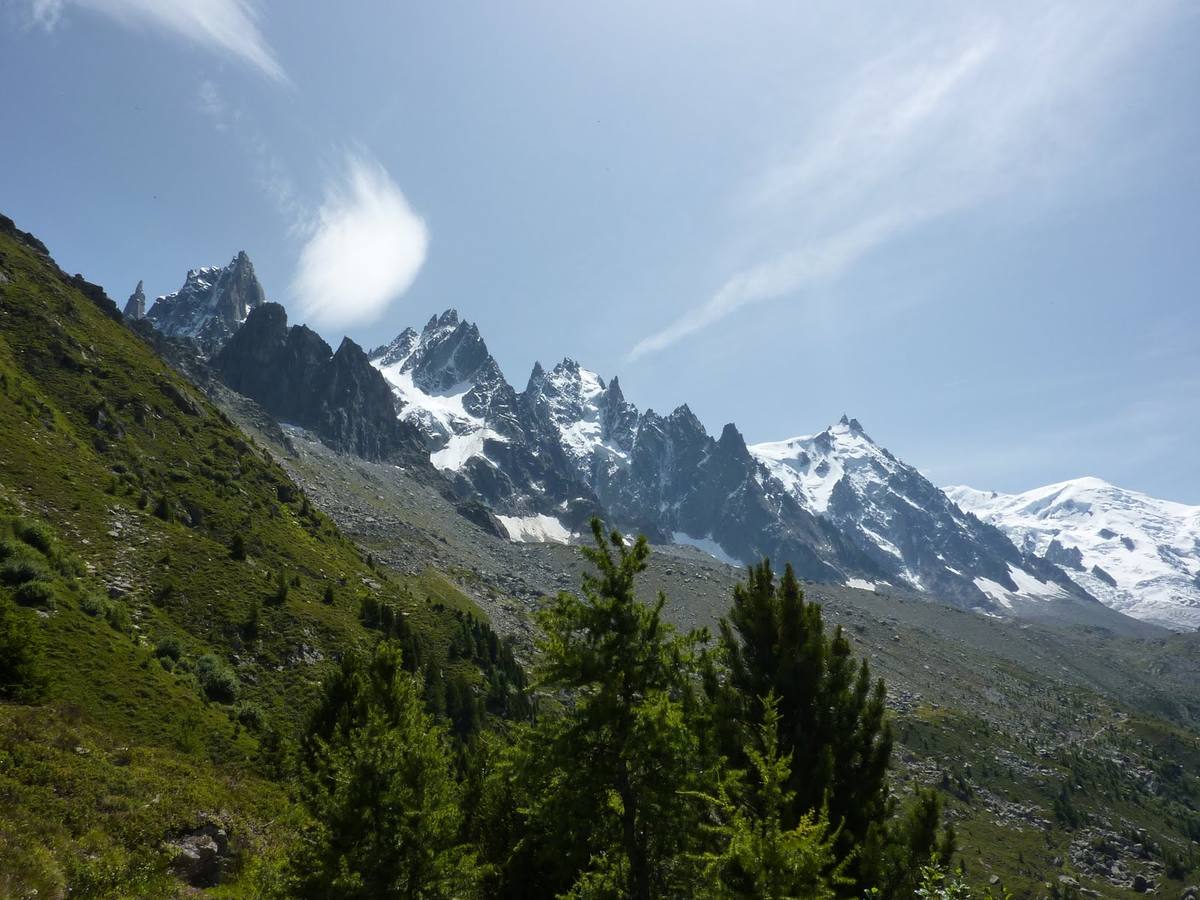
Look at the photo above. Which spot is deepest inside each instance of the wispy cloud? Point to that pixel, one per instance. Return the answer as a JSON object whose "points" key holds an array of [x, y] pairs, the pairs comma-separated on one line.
{"points": [[952, 116], [270, 173], [366, 248], [227, 26]]}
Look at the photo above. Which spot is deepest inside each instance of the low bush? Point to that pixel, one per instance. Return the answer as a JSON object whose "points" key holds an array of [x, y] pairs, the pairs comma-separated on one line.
{"points": [[250, 715], [36, 535], [20, 569], [36, 593], [21, 674], [93, 605], [216, 679], [168, 648], [117, 616]]}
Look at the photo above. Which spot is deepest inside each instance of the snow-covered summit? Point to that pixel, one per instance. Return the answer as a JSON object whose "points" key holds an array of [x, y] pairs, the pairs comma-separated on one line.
{"points": [[212, 304], [905, 527], [812, 466], [444, 380], [589, 420], [449, 386], [1136, 553]]}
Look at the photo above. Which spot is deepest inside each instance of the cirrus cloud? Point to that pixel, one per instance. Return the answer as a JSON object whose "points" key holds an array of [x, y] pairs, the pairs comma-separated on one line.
{"points": [[366, 248], [228, 26], [1007, 102]]}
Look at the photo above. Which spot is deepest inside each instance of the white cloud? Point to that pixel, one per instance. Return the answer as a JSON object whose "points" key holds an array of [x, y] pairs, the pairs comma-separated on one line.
{"points": [[228, 26], [987, 103], [366, 249], [781, 275]]}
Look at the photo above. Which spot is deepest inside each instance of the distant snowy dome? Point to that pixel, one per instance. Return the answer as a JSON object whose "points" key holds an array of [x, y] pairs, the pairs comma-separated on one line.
{"points": [[1138, 554]]}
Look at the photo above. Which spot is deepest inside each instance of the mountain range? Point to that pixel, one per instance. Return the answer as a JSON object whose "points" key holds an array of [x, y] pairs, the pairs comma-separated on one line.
{"points": [[836, 504], [184, 564]]}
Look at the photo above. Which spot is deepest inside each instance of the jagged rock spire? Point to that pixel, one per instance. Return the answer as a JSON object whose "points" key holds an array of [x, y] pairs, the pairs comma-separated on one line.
{"points": [[135, 306]]}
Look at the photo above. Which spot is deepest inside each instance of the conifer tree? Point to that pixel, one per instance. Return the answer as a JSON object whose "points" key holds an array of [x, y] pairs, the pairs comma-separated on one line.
{"points": [[831, 715], [758, 858], [605, 785], [377, 782]]}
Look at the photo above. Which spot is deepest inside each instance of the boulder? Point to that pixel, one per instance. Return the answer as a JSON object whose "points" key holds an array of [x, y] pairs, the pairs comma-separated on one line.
{"points": [[201, 855]]}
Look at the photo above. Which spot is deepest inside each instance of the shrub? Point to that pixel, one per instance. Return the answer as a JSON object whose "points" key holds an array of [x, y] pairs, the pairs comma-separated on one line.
{"points": [[93, 605], [117, 616], [165, 591], [36, 535], [20, 569], [216, 679], [168, 648], [162, 508], [21, 675], [250, 715], [280, 595], [36, 593], [249, 627]]}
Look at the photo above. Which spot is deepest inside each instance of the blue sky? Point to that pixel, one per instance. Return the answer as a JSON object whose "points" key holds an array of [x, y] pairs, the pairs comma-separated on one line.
{"points": [[973, 226]]}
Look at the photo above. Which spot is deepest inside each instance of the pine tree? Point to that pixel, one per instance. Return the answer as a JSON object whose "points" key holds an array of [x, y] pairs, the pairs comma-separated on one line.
{"points": [[758, 857], [377, 782], [605, 784], [831, 715]]}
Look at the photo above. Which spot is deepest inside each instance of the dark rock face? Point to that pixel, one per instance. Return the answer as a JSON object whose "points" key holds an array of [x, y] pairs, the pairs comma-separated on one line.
{"points": [[667, 477], [9, 227], [296, 377], [96, 294], [1067, 557], [1104, 576], [211, 305], [135, 306]]}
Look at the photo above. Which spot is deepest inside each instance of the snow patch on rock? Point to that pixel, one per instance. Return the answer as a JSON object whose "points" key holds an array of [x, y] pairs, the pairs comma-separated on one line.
{"points": [[541, 529]]}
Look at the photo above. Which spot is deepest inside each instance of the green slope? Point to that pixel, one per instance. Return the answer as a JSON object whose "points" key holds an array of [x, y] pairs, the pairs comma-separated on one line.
{"points": [[175, 666]]}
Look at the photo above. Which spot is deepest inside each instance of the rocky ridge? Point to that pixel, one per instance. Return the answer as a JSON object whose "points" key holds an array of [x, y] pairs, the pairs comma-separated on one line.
{"points": [[212, 304], [298, 378]]}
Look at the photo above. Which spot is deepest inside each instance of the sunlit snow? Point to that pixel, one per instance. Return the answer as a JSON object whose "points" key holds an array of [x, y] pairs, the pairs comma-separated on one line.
{"points": [[535, 529], [1149, 547]]}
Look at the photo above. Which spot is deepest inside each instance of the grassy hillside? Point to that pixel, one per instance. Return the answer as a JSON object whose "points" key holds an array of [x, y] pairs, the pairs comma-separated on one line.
{"points": [[186, 597]]}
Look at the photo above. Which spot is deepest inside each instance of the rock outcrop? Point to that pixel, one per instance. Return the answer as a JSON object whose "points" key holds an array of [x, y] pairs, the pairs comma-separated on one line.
{"points": [[299, 379], [212, 304], [135, 306]]}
